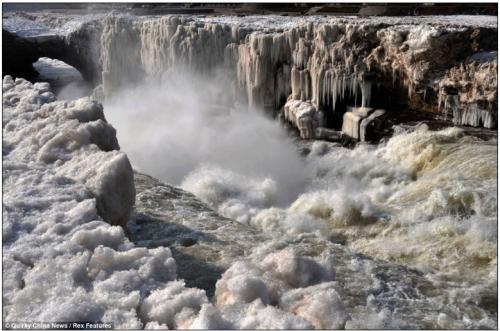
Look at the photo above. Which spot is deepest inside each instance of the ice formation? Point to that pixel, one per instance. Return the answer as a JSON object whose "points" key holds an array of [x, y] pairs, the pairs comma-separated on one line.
{"points": [[62, 178], [73, 139], [319, 62], [287, 281], [361, 122], [316, 59], [304, 116]]}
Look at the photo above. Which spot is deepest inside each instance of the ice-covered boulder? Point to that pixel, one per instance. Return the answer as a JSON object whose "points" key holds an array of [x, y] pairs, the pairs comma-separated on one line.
{"points": [[370, 125], [281, 286], [362, 123], [352, 120], [304, 116]]}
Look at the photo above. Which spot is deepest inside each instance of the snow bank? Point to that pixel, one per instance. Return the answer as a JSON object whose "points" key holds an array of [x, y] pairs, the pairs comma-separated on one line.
{"points": [[62, 262], [72, 139], [55, 69], [38, 25]]}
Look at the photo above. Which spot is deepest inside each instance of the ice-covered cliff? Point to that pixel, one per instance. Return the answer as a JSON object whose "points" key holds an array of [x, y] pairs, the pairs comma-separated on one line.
{"points": [[318, 60], [432, 63]]}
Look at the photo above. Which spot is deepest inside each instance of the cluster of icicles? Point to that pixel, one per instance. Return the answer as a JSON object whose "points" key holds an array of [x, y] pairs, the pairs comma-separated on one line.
{"points": [[267, 68], [321, 63]]}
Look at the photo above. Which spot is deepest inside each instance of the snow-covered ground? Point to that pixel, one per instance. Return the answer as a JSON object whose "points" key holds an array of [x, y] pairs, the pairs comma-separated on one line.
{"points": [[52, 69], [43, 24], [66, 81]]}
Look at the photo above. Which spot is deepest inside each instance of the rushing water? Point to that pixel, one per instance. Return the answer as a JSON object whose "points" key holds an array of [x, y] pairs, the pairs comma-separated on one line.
{"points": [[423, 199], [409, 225]]}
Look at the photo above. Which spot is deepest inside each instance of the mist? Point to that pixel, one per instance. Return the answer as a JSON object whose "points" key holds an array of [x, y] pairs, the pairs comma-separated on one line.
{"points": [[185, 130]]}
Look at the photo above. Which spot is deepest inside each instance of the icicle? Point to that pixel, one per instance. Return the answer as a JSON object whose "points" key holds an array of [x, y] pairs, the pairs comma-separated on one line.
{"points": [[439, 100], [334, 91], [366, 91]]}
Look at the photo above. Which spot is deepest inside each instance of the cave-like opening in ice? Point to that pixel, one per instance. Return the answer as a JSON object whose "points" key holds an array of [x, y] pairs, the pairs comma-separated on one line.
{"points": [[67, 81]]}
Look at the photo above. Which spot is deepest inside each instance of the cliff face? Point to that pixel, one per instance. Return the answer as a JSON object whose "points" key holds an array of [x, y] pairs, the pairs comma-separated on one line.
{"points": [[428, 63], [439, 66]]}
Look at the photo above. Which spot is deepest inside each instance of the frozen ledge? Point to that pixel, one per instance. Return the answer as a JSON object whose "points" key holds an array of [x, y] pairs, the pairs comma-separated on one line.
{"points": [[265, 22]]}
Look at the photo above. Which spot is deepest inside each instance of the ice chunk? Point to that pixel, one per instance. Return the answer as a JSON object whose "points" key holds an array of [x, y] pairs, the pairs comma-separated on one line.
{"points": [[168, 305], [320, 304]]}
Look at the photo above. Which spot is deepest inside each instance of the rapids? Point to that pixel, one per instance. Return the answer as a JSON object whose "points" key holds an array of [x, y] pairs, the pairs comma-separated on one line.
{"points": [[422, 201]]}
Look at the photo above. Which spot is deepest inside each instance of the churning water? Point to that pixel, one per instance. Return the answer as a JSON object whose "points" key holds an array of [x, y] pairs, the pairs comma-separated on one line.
{"points": [[423, 199]]}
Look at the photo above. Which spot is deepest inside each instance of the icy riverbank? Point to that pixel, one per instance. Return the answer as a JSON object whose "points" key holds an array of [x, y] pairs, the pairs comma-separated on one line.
{"points": [[62, 177]]}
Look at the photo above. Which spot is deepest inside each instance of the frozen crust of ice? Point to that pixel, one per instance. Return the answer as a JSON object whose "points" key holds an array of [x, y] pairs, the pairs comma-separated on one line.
{"points": [[281, 289], [44, 25], [285, 22], [62, 176], [72, 139]]}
